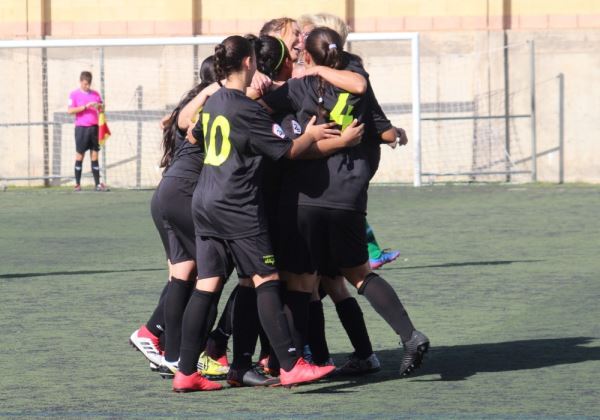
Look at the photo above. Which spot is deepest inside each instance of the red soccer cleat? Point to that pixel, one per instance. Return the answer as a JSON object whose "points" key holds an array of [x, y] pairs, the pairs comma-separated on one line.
{"points": [[304, 372], [194, 382], [146, 342]]}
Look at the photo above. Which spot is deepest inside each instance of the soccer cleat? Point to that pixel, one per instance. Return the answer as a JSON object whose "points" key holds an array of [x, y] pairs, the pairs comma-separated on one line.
{"points": [[153, 367], [356, 366], [414, 350], [168, 369], [386, 256], [146, 342], [303, 372], [211, 368], [77, 188], [194, 382], [249, 377], [102, 188]]}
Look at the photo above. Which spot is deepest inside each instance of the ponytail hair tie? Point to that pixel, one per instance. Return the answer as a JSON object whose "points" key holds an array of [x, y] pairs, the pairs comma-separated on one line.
{"points": [[332, 46]]}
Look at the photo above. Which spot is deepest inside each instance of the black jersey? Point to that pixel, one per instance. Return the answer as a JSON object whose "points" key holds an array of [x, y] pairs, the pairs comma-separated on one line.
{"points": [[377, 122], [238, 132], [341, 180], [187, 158]]}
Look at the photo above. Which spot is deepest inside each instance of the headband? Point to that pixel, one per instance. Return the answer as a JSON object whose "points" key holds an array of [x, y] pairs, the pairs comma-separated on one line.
{"points": [[282, 54]]}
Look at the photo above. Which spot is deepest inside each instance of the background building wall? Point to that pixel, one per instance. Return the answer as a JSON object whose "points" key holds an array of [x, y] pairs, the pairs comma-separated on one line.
{"points": [[566, 35]]}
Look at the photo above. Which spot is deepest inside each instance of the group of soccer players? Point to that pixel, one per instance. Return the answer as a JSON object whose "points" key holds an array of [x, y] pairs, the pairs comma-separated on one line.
{"points": [[267, 165]]}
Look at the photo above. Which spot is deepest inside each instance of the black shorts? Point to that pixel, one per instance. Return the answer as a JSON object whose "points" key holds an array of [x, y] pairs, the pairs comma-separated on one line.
{"points": [[322, 240], [157, 218], [175, 200], [250, 256], [86, 138]]}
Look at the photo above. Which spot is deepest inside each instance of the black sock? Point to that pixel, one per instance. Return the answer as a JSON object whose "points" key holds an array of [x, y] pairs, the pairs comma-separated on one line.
{"points": [[316, 332], [383, 298], [194, 330], [96, 171], [177, 298], [298, 304], [156, 323], [216, 346], [353, 321], [265, 345], [275, 323], [245, 327], [78, 168], [211, 318]]}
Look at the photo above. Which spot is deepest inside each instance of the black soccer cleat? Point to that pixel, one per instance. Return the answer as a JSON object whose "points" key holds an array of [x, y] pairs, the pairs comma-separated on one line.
{"points": [[249, 377], [414, 351]]}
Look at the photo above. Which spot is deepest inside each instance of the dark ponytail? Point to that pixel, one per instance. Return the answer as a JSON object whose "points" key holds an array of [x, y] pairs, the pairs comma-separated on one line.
{"points": [[326, 48], [207, 76], [271, 54], [229, 55]]}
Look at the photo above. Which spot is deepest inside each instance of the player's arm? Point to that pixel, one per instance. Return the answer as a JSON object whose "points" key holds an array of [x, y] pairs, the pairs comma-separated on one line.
{"points": [[188, 113], [351, 136], [347, 80], [313, 133]]}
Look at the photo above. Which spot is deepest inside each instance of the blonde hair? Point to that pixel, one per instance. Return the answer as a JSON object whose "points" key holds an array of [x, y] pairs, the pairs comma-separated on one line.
{"points": [[328, 20]]}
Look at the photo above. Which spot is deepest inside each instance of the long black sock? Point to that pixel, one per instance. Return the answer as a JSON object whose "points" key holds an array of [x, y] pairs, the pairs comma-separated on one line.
{"points": [[265, 345], [298, 304], [156, 323], [316, 332], [194, 330], [353, 321], [78, 169], [216, 346], [211, 318], [245, 327], [96, 171], [383, 298], [177, 298], [275, 323]]}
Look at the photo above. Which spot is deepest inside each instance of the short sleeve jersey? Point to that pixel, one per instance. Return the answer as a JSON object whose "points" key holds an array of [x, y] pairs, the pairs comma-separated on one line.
{"points": [[341, 180], [88, 117], [187, 159], [238, 133]]}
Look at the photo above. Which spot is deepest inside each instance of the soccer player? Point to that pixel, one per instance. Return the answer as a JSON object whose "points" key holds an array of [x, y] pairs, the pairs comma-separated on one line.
{"points": [[329, 196], [229, 216], [85, 104], [377, 257], [171, 211]]}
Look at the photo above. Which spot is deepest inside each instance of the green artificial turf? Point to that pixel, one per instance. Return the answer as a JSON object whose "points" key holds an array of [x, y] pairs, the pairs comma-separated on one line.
{"points": [[504, 279]]}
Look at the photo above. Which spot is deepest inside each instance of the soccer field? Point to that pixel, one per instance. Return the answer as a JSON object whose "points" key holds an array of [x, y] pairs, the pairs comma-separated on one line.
{"points": [[505, 281]]}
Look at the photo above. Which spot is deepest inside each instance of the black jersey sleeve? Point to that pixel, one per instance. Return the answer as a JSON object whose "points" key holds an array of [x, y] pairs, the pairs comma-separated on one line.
{"points": [[286, 99], [197, 130], [267, 137], [380, 120]]}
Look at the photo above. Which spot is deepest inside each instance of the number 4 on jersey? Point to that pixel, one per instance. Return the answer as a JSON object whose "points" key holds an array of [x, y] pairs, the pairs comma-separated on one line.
{"points": [[337, 114]]}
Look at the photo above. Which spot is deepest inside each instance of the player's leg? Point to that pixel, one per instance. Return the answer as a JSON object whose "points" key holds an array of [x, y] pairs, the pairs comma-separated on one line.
{"points": [[362, 360], [351, 253], [147, 338], [213, 268], [92, 133], [377, 256], [80, 148], [317, 341]]}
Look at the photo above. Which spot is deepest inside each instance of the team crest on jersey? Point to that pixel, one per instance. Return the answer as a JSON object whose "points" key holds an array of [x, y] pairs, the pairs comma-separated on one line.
{"points": [[296, 127], [278, 131]]}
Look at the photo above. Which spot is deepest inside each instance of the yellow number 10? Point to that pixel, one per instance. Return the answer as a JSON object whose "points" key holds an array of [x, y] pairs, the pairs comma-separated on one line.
{"points": [[210, 142]]}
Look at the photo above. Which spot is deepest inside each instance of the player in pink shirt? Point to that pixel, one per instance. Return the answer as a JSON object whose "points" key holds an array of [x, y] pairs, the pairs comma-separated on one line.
{"points": [[85, 103]]}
